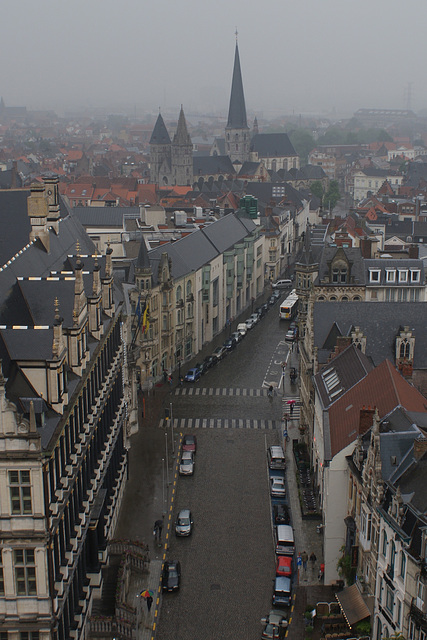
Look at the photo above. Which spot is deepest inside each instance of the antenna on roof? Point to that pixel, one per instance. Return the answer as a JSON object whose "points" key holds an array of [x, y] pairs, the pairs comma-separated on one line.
{"points": [[236, 34]]}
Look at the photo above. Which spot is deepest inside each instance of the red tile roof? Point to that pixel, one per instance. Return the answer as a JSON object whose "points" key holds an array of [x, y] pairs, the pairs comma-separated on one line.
{"points": [[383, 388]]}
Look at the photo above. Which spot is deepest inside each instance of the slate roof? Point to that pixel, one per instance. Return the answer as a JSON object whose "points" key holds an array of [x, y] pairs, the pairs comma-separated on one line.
{"points": [[272, 145], [380, 322], [237, 108], [212, 165], [105, 216], [383, 388], [160, 134], [249, 168], [386, 263], [343, 372], [353, 255], [193, 251]]}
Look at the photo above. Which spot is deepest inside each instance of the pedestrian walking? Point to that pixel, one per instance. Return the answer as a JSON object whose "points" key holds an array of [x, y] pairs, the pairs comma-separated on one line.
{"points": [[158, 528], [170, 380], [149, 601], [304, 558], [313, 560], [165, 376], [291, 408], [181, 381], [270, 391], [321, 572]]}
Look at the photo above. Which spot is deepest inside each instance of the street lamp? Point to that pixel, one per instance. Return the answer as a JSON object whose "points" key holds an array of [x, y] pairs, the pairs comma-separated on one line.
{"points": [[166, 458], [163, 484], [171, 419]]}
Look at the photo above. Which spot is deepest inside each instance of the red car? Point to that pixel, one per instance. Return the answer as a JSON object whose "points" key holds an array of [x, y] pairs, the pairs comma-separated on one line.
{"points": [[189, 443], [284, 566]]}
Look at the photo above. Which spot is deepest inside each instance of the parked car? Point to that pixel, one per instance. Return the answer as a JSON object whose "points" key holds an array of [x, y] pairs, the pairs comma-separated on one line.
{"points": [[186, 465], [276, 293], [293, 325], [192, 375], [281, 514], [265, 307], [260, 311], [210, 361], [284, 566], [255, 317], [290, 335], [282, 594], [189, 443], [249, 324], [230, 344], [272, 300], [171, 575], [277, 487], [184, 523], [282, 284], [275, 625], [237, 336], [242, 329], [219, 353], [202, 367]]}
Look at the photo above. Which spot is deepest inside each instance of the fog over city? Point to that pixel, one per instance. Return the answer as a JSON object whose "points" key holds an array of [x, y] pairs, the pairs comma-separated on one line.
{"points": [[314, 56]]}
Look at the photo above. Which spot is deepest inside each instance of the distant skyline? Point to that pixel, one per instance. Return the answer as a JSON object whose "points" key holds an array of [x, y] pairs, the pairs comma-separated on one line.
{"points": [[315, 56]]}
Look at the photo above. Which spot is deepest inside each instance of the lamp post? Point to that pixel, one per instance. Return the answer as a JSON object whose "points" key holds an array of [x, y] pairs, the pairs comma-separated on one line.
{"points": [[163, 484], [166, 459], [172, 438]]}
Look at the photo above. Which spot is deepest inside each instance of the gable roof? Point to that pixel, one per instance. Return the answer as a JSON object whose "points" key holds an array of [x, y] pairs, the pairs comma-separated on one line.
{"points": [[275, 145], [383, 388]]}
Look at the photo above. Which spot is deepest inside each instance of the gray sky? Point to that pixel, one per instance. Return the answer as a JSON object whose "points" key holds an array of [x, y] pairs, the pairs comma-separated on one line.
{"points": [[308, 56]]}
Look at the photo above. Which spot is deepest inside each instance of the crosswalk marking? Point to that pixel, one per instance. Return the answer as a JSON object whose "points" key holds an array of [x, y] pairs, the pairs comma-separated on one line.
{"points": [[228, 391], [183, 424]]}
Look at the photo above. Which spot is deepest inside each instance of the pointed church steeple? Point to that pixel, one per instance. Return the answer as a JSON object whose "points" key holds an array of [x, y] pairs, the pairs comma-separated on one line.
{"points": [[182, 136], [237, 108], [160, 133], [237, 134]]}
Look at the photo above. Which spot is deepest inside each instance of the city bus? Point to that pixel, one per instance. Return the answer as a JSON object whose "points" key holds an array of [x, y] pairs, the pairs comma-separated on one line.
{"points": [[289, 306]]}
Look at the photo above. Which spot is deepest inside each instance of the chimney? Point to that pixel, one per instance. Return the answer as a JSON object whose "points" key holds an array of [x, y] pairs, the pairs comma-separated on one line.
{"points": [[38, 211], [414, 251], [366, 248], [420, 447], [366, 419]]}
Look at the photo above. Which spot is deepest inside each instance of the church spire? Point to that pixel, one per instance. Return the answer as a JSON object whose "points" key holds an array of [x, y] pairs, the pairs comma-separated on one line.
{"points": [[160, 133], [182, 136], [237, 108]]}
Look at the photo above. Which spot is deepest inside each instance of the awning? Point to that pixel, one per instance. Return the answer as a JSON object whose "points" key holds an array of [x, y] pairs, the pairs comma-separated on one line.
{"points": [[352, 605]]}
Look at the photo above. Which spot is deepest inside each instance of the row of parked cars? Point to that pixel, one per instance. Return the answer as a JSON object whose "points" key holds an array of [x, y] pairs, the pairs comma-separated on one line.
{"points": [[276, 622], [171, 574], [196, 372]]}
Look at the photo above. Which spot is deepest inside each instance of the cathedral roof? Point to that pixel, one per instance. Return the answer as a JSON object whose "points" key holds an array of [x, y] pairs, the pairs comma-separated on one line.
{"points": [[182, 136], [237, 108], [274, 145], [160, 133]]}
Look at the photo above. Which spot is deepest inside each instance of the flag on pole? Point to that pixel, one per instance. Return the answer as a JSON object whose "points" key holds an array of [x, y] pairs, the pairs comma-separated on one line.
{"points": [[146, 319]]}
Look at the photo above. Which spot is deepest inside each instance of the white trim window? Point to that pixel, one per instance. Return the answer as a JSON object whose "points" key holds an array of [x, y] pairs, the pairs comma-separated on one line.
{"points": [[374, 275], [415, 275], [390, 275], [403, 275]]}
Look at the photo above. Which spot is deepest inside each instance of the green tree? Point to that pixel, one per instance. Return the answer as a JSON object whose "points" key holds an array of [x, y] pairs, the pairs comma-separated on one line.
{"points": [[345, 570], [316, 189], [332, 195], [303, 143]]}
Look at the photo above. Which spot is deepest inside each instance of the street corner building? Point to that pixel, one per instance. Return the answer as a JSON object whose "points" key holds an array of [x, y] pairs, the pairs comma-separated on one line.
{"points": [[63, 416]]}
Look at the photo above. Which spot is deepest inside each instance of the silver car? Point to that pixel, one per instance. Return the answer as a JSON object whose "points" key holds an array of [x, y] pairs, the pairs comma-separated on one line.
{"points": [[184, 523], [277, 487], [186, 466]]}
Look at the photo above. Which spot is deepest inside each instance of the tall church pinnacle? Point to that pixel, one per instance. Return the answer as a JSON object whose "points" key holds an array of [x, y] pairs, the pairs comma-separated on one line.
{"points": [[237, 108], [182, 136]]}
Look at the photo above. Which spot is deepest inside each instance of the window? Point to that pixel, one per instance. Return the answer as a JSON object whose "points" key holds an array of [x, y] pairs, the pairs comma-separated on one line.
{"points": [[25, 572], [20, 492], [1, 576], [29, 635], [415, 275], [389, 600], [402, 565], [384, 545], [403, 275], [178, 294], [420, 595], [390, 275], [374, 275], [398, 613]]}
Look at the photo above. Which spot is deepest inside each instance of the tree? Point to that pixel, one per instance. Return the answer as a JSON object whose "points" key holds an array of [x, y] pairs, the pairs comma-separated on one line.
{"points": [[316, 189], [332, 195], [345, 570], [303, 142]]}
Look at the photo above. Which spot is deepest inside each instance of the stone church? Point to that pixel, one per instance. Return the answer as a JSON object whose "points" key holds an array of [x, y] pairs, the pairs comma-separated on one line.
{"points": [[171, 162]]}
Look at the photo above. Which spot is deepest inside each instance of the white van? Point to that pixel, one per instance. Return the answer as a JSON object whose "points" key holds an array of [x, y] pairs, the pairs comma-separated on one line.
{"points": [[276, 458], [242, 328], [285, 541], [282, 284]]}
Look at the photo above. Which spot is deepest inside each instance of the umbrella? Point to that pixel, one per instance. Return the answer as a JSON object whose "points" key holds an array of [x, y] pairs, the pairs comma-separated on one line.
{"points": [[146, 593], [290, 402]]}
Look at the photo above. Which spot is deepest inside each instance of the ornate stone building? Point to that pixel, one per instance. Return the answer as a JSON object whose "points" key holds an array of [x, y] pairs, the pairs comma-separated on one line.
{"points": [[171, 163]]}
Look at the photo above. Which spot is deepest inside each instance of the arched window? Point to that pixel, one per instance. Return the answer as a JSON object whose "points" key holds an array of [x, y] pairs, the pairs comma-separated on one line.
{"points": [[344, 299], [189, 287], [321, 298], [405, 349], [178, 293], [356, 298], [332, 298]]}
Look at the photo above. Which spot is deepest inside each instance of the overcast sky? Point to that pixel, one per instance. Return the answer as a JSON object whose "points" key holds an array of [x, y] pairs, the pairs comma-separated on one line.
{"points": [[310, 56]]}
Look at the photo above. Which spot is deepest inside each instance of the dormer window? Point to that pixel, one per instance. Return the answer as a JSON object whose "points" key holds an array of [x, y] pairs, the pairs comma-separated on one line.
{"points": [[415, 275], [391, 275], [374, 275], [403, 275]]}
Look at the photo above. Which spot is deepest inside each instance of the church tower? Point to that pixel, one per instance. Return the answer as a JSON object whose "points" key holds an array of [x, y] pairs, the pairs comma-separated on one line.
{"points": [[237, 134], [182, 154], [160, 154]]}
